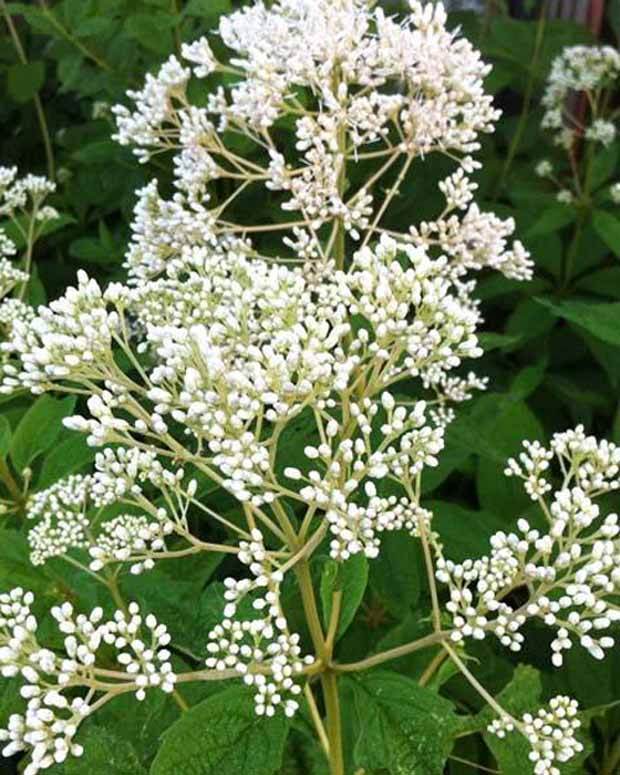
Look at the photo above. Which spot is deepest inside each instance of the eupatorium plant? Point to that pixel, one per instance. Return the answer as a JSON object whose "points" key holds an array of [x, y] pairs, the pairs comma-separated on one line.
{"points": [[334, 324]]}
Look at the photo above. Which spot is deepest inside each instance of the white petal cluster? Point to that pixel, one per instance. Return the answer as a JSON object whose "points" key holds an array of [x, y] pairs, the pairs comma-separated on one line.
{"points": [[261, 639], [350, 82], [551, 734], [590, 69], [570, 570], [54, 712], [22, 202], [339, 480], [25, 194], [62, 522], [71, 514], [71, 338]]}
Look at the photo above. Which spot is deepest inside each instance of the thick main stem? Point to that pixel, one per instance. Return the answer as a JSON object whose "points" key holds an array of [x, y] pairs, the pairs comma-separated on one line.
{"points": [[329, 683]]}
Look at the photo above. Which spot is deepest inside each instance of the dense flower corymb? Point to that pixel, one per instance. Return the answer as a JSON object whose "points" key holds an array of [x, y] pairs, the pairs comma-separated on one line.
{"points": [[229, 332]]}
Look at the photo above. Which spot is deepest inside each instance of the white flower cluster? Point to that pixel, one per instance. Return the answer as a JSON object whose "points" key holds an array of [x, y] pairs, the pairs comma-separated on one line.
{"points": [[54, 711], [22, 203], [71, 513], [551, 734], [227, 334], [408, 445], [354, 84], [570, 569], [247, 643], [590, 69]]}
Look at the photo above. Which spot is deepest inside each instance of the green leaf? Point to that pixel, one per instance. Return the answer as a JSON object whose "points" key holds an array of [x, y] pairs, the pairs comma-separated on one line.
{"points": [[152, 30], [555, 218], [604, 282], [5, 436], [527, 380], [15, 566], [349, 577], [39, 428], [395, 576], [401, 727], [208, 10], [68, 457], [493, 341], [600, 320], [221, 735], [497, 493], [25, 80], [604, 165], [607, 226], [464, 532]]}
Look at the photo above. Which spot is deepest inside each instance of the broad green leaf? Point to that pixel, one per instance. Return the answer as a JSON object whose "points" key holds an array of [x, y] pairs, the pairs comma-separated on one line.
{"points": [[464, 532], [497, 493], [15, 566], [350, 578], [529, 320], [39, 428], [152, 30], [608, 228], [25, 80], [604, 282], [521, 695], [600, 320], [221, 735], [142, 723], [68, 457], [555, 218], [527, 380], [396, 574], [401, 727]]}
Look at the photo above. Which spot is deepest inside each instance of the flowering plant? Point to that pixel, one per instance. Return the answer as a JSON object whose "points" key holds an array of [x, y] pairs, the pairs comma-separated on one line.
{"points": [[307, 370]]}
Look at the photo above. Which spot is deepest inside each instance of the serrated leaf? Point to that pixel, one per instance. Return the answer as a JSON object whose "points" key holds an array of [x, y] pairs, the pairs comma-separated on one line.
{"points": [[401, 727], [39, 428], [221, 735]]}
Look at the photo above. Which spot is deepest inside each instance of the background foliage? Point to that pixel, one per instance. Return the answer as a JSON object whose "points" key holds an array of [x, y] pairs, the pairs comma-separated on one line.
{"points": [[552, 355]]}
